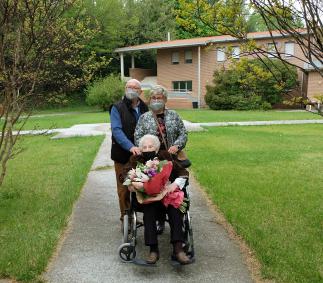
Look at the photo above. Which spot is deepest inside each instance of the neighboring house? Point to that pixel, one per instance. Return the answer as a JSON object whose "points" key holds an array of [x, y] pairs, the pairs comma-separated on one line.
{"points": [[186, 66]]}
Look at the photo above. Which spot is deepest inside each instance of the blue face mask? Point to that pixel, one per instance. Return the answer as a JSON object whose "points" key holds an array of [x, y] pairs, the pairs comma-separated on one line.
{"points": [[156, 105], [131, 94]]}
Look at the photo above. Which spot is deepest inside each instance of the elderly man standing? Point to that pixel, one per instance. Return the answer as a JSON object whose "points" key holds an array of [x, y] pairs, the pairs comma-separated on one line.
{"points": [[124, 115]]}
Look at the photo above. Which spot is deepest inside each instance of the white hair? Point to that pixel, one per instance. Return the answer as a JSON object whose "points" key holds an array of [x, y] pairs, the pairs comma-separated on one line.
{"points": [[134, 81], [158, 89], [153, 138]]}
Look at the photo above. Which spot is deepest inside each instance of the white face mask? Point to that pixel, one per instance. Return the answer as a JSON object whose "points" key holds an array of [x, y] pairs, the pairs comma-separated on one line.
{"points": [[156, 105], [131, 94]]}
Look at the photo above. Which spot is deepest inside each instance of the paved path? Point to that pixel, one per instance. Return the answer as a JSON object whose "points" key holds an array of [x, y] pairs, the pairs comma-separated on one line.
{"points": [[88, 252]]}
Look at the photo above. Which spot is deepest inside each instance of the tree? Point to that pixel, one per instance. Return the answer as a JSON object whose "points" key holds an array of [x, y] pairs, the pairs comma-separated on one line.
{"points": [[110, 18], [105, 92], [40, 47], [285, 16]]}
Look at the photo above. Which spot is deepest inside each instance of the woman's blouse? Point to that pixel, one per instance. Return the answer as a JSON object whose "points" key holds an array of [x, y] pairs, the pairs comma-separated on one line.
{"points": [[175, 131]]}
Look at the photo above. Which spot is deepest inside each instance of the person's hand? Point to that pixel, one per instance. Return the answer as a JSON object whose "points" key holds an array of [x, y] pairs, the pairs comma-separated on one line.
{"points": [[173, 149], [171, 187], [131, 188], [135, 150], [137, 185]]}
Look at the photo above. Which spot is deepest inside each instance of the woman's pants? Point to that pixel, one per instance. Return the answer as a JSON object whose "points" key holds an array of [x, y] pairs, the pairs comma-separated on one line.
{"points": [[151, 214]]}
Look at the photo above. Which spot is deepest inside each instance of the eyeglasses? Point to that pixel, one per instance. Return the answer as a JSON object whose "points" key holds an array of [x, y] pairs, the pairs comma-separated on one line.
{"points": [[157, 98], [133, 87]]}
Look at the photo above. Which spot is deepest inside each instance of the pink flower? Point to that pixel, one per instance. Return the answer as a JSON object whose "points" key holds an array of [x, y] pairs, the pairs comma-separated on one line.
{"points": [[155, 162], [132, 174], [174, 198], [149, 163]]}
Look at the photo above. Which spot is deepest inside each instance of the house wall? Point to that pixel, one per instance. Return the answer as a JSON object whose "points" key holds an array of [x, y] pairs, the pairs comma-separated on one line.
{"points": [[139, 74], [315, 84], [167, 72]]}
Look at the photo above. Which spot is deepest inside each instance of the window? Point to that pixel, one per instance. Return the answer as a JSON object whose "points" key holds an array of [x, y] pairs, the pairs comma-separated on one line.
{"points": [[272, 50], [289, 49], [220, 55], [175, 58], [235, 52], [188, 56], [182, 86]]}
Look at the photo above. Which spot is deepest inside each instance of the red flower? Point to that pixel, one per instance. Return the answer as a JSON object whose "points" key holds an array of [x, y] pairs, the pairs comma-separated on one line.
{"points": [[174, 198], [158, 182]]}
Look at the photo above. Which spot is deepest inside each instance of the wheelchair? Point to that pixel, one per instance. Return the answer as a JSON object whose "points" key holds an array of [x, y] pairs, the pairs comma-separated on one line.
{"points": [[127, 250]]}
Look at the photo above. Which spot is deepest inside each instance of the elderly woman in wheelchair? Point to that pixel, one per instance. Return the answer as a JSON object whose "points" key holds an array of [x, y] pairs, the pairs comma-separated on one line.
{"points": [[151, 206]]}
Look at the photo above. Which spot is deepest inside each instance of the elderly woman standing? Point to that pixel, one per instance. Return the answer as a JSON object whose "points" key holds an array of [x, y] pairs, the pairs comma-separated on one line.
{"points": [[164, 123]]}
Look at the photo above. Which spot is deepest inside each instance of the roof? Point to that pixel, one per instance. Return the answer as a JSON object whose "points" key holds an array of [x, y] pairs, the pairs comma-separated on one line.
{"points": [[200, 41]]}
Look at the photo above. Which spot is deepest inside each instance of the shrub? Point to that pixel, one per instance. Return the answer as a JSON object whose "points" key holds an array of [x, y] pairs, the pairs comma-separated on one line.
{"points": [[105, 92], [250, 84]]}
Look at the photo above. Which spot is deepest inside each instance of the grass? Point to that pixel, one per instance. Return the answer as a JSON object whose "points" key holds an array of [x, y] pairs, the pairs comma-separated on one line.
{"points": [[48, 121], [67, 117], [204, 115], [41, 186], [268, 182], [67, 109]]}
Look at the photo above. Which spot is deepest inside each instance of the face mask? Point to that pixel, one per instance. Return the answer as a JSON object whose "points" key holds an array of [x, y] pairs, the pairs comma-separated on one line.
{"points": [[131, 94], [149, 155], [157, 105]]}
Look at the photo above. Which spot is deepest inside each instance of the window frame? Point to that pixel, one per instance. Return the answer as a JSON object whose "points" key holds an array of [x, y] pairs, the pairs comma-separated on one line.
{"points": [[275, 46], [180, 84], [172, 58], [188, 60], [233, 55], [220, 50], [289, 55]]}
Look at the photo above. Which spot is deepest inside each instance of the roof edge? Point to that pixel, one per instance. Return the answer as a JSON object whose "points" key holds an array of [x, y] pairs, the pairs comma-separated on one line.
{"points": [[206, 41]]}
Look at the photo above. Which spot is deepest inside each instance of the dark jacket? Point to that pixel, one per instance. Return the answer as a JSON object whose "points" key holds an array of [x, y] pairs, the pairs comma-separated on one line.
{"points": [[128, 121]]}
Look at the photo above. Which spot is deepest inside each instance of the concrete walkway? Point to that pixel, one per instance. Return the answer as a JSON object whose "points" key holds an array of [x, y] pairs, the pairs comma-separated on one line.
{"points": [[199, 126], [88, 252]]}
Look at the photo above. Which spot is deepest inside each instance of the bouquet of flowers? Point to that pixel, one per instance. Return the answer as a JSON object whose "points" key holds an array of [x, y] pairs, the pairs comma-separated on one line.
{"points": [[154, 175]]}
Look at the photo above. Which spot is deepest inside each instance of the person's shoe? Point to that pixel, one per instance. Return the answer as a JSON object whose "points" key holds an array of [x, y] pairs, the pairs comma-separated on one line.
{"points": [[182, 258], [160, 227], [152, 258]]}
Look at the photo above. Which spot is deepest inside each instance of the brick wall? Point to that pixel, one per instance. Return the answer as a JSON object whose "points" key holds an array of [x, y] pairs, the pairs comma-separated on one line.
{"points": [[140, 74], [168, 72], [315, 84]]}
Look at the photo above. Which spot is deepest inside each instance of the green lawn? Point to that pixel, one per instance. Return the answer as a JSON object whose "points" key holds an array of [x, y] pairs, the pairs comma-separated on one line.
{"points": [[67, 117], [203, 115], [67, 109], [268, 182], [50, 121], [36, 199]]}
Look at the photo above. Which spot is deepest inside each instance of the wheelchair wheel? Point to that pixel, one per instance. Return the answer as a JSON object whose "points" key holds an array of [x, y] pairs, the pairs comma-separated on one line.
{"points": [[127, 252]]}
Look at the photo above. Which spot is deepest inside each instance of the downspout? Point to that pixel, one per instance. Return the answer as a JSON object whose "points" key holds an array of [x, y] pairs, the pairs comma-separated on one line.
{"points": [[199, 76]]}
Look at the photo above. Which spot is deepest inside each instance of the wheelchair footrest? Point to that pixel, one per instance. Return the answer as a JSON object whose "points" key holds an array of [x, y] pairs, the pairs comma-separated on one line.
{"points": [[142, 262]]}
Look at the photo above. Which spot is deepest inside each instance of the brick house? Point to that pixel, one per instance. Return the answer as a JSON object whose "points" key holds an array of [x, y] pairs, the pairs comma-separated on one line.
{"points": [[186, 66]]}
